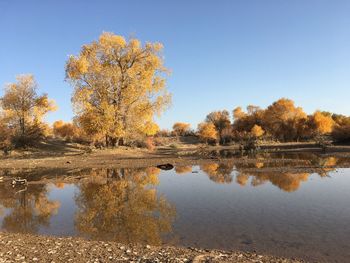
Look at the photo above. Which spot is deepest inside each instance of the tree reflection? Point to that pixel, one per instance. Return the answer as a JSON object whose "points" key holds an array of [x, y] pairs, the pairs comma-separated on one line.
{"points": [[28, 208], [183, 169], [219, 173], [288, 182], [123, 205], [262, 170]]}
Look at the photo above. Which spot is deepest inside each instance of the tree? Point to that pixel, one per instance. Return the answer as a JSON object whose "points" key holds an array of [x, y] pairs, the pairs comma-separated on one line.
{"points": [[207, 132], [221, 121], [23, 107], [323, 122], [181, 128], [119, 86], [244, 122], [5, 136], [238, 113], [65, 130], [257, 131], [284, 121], [341, 133]]}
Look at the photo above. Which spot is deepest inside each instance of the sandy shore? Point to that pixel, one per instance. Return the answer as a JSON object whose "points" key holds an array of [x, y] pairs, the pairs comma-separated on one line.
{"points": [[30, 248], [79, 158]]}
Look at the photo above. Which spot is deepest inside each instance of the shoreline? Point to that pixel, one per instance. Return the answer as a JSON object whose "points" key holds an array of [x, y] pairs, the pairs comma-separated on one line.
{"points": [[125, 157], [35, 248]]}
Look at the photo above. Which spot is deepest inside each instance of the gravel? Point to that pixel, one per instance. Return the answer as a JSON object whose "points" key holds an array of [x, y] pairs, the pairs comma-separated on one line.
{"points": [[31, 248]]}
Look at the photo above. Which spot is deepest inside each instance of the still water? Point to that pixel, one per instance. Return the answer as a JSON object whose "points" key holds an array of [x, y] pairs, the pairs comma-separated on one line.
{"points": [[284, 212]]}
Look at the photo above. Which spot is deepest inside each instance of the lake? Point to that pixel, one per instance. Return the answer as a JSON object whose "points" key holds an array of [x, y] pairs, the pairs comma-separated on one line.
{"points": [[279, 208]]}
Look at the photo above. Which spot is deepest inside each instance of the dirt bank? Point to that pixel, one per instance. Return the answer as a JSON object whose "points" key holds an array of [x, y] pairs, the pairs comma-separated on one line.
{"points": [[30, 248], [73, 156]]}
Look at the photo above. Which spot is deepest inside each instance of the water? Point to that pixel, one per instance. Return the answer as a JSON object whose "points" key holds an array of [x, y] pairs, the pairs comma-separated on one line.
{"points": [[280, 208]]}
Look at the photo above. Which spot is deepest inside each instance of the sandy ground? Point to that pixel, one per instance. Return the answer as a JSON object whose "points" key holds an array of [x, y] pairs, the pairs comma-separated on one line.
{"points": [[74, 156], [30, 248]]}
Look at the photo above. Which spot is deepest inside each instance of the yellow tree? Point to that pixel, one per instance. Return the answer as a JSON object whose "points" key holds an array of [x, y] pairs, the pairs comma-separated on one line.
{"points": [[283, 120], [22, 106], [65, 130], [257, 131], [5, 132], [181, 128], [238, 113], [119, 86], [221, 121], [323, 123], [207, 132]]}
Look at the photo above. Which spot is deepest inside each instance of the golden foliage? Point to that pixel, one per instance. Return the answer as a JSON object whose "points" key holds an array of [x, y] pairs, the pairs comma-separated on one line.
{"points": [[324, 124], [181, 128], [207, 132], [221, 121], [119, 86], [238, 113], [257, 131], [65, 130], [23, 108]]}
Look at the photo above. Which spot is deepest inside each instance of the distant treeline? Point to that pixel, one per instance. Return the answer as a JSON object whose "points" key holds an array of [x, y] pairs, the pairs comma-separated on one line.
{"points": [[281, 121]]}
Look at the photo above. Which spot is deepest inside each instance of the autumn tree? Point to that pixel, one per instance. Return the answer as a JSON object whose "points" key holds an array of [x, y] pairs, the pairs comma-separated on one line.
{"points": [[65, 130], [24, 108], [284, 121], [119, 86], [221, 121], [238, 113], [245, 121], [181, 128], [323, 122], [207, 132], [5, 135], [257, 131]]}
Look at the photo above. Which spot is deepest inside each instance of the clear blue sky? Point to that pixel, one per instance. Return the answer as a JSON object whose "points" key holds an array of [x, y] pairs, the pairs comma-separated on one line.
{"points": [[222, 54]]}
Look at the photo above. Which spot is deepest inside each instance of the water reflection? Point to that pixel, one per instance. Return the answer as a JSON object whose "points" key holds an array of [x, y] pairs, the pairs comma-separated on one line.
{"points": [[218, 173], [223, 205], [126, 209], [26, 209]]}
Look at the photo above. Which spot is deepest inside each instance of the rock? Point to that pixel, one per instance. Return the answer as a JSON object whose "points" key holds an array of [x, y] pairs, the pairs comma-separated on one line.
{"points": [[166, 167]]}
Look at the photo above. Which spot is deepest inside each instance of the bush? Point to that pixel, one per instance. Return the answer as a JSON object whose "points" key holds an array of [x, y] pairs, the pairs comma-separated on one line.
{"points": [[341, 133]]}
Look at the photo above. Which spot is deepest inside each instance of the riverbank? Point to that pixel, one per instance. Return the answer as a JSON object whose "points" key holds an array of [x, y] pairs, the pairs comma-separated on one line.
{"points": [[31, 248], [75, 156]]}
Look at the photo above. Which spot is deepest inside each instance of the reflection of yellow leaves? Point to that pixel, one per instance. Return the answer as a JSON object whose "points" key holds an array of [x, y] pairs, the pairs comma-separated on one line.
{"points": [[288, 182], [127, 209], [330, 161], [242, 179], [210, 168], [259, 165], [183, 169], [44, 207], [60, 185], [219, 173]]}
